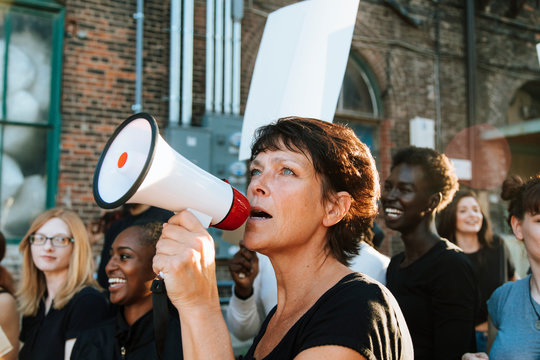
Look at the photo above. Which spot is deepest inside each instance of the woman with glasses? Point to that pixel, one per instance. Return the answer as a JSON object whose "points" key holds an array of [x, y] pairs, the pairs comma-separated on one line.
{"points": [[58, 297]]}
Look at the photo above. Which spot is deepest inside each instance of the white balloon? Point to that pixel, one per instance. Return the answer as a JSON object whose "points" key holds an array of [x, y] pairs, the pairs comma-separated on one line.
{"points": [[21, 69], [28, 202], [12, 177]]}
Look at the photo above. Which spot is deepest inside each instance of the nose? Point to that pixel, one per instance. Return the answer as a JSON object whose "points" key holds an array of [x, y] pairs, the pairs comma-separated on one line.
{"points": [[388, 193], [111, 265], [48, 244], [258, 185]]}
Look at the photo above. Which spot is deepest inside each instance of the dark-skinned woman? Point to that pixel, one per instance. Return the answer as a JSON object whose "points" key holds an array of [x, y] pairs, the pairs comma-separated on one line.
{"points": [[432, 279], [130, 335]]}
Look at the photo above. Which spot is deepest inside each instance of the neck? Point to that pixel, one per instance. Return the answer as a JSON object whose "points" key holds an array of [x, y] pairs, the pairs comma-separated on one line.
{"points": [[134, 312], [468, 242], [54, 281], [302, 279], [535, 282], [419, 240]]}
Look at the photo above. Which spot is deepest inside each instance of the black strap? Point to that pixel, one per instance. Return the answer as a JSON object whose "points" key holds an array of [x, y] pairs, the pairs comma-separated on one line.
{"points": [[161, 313]]}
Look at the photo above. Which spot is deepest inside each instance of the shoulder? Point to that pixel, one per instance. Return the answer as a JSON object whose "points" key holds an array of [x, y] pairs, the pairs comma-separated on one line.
{"points": [[8, 304], [508, 289], [448, 253], [7, 301], [355, 293], [89, 298]]}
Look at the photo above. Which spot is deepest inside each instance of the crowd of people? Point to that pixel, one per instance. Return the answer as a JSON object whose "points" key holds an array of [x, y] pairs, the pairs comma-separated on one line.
{"points": [[309, 282]]}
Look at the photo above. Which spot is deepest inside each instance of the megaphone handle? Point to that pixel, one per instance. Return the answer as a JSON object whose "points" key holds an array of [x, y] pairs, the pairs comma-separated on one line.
{"points": [[202, 217]]}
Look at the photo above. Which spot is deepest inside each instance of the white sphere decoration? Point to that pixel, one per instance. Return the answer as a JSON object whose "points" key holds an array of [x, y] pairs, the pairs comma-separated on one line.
{"points": [[21, 69], [20, 210], [12, 177]]}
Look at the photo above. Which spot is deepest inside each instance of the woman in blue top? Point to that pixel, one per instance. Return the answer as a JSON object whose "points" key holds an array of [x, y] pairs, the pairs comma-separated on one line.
{"points": [[514, 308]]}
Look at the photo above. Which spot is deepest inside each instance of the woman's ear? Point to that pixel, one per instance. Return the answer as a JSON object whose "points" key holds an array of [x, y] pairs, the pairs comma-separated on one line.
{"points": [[434, 201], [336, 208], [516, 228]]}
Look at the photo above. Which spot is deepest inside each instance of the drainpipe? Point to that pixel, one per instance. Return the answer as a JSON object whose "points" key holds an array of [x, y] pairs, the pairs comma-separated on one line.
{"points": [[209, 97], [237, 14], [187, 62], [471, 73], [227, 77], [139, 17], [174, 65], [218, 85], [438, 116]]}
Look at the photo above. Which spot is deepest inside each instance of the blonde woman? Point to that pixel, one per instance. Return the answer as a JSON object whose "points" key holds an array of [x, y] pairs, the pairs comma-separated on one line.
{"points": [[58, 297]]}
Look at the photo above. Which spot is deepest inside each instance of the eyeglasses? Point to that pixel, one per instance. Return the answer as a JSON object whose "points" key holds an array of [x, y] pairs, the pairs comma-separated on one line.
{"points": [[56, 241]]}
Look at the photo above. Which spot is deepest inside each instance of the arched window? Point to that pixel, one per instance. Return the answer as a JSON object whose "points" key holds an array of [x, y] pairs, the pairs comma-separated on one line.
{"points": [[359, 103]]}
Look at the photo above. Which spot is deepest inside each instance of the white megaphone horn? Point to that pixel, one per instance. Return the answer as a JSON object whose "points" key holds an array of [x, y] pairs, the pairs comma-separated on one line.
{"points": [[138, 166]]}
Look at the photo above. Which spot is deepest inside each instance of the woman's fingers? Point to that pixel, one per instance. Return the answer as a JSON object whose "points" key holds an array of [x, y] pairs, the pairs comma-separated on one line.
{"points": [[185, 257]]}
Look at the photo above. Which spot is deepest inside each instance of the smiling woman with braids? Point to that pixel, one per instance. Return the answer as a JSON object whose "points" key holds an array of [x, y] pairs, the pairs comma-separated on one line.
{"points": [[130, 335], [313, 192]]}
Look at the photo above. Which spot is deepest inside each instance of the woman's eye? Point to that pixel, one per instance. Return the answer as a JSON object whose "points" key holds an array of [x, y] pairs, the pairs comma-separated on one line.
{"points": [[254, 172], [287, 171], [124, 256]]}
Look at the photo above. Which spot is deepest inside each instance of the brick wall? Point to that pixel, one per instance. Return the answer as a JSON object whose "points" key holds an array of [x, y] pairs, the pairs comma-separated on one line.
{"points": [[99, 81]]}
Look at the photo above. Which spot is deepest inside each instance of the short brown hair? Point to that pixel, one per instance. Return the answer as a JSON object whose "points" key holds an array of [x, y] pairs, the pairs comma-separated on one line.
{"points": [[344, 164]]}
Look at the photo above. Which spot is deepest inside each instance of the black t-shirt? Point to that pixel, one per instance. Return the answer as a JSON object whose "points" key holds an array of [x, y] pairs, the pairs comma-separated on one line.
{"points": [[492, 266], [438, 296], [152, 214], [114, 337], [44, 335], [355, 313]]}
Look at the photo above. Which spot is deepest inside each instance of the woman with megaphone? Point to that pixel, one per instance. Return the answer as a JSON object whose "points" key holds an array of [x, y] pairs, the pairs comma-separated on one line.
{"points": [[313, 188]]}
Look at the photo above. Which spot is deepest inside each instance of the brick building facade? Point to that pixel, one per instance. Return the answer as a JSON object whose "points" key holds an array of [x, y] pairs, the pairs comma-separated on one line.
{"points": [[415, 51]]}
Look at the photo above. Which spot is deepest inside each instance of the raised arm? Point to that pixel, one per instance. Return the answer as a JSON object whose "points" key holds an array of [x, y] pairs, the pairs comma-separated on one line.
{"points": [[185, 257], [243, 317]]}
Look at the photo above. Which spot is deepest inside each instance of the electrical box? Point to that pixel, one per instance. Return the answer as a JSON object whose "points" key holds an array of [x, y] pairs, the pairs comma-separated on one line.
{"points": [[226, 133], [190, 142]]}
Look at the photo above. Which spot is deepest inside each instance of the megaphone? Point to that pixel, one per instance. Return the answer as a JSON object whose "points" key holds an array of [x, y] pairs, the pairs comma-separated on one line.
{"points": [[138, 166]]}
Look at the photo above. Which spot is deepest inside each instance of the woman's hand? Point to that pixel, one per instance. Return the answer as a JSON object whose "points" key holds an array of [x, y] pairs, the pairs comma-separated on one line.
{"points": [[244, 266], [185, 258]]}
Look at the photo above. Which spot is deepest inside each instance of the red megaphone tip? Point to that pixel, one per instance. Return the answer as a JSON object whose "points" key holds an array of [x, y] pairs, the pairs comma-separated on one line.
{"points": [[238, 213]]}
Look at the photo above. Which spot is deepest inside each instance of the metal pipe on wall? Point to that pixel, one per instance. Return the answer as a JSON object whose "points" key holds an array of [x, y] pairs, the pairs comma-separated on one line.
{"points": [[471, 74], [237, 14], [174, 64], [228, 63], [139, 17], [218, 74], [209, 98], [187, 62]]}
